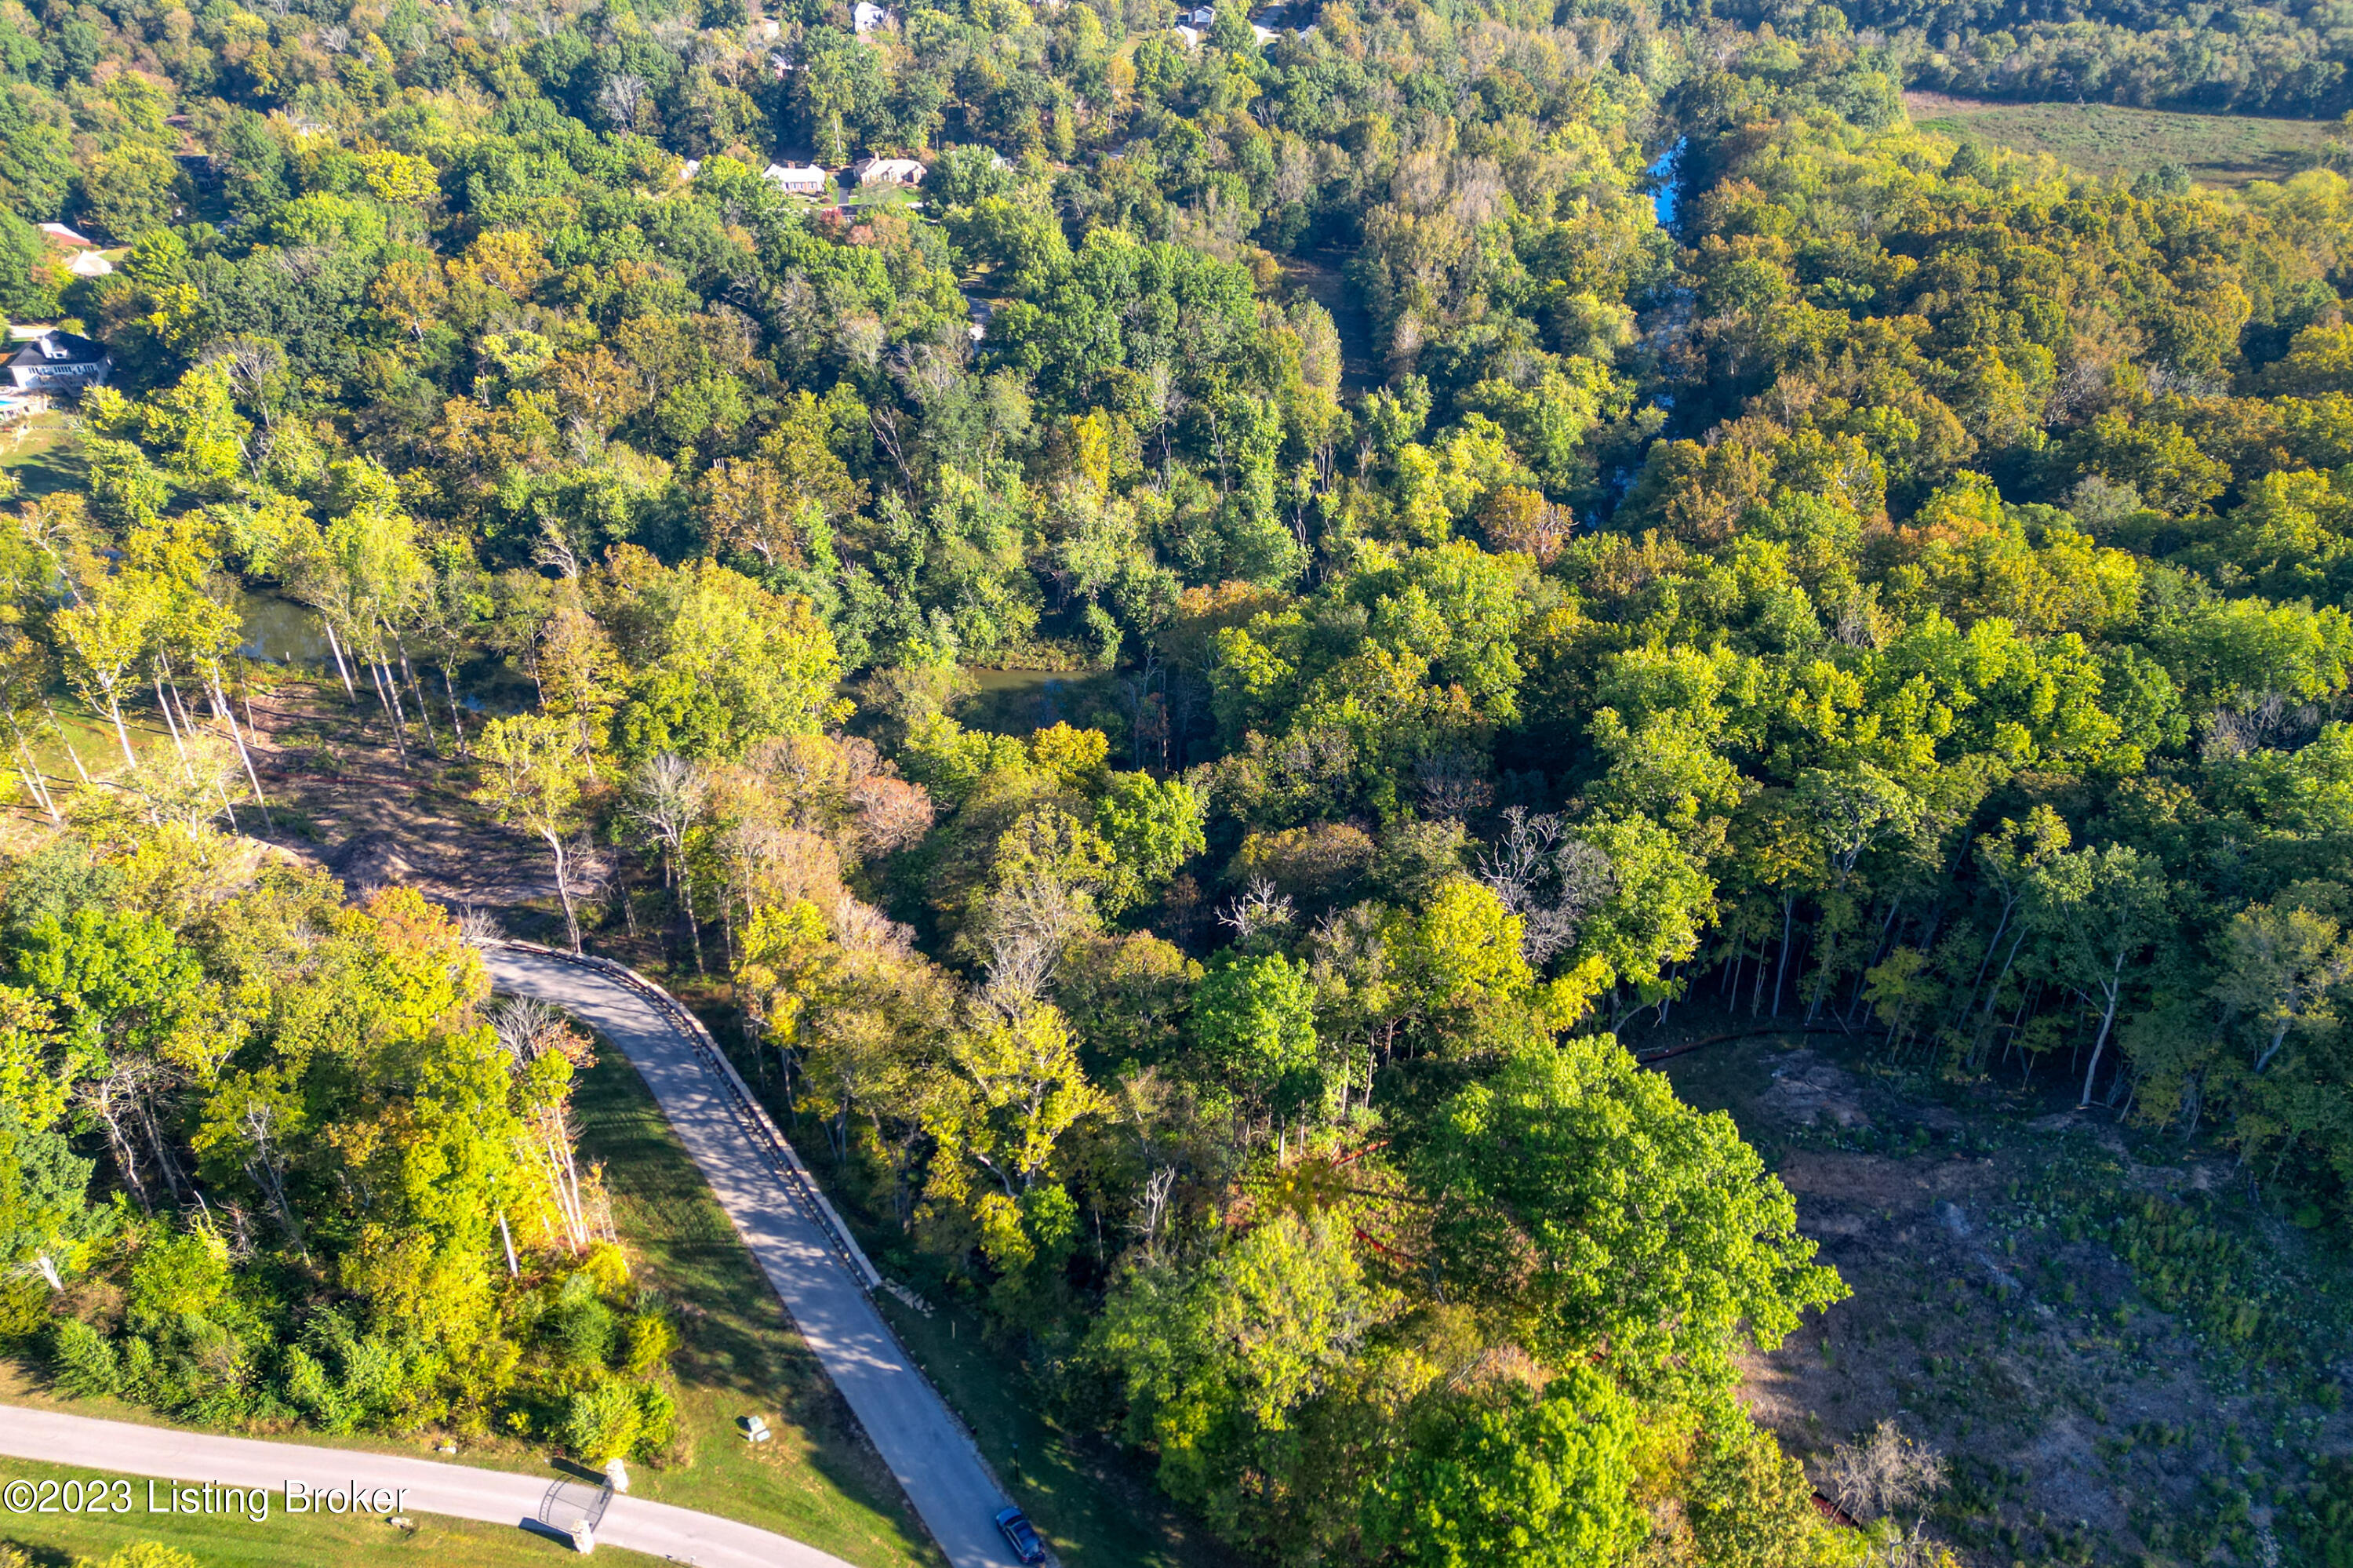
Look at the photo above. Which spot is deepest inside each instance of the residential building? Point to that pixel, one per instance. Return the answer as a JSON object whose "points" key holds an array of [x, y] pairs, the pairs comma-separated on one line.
{"points": [[887, 172], [797, 179], [88, 264], [59, 362], [65, 238], [866, 16]]}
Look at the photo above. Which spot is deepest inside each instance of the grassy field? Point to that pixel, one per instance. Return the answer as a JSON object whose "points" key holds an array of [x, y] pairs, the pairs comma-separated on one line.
{"points": [[2222, 150], [283, 1541], [42, 454]]}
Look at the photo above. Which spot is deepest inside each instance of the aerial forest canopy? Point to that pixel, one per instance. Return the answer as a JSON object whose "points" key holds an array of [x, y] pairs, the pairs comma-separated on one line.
{"points": [[1902, 592]]}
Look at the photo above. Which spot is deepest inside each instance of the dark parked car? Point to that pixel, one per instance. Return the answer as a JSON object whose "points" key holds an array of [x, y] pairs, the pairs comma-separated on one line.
{"points": [[1020, 1536]]}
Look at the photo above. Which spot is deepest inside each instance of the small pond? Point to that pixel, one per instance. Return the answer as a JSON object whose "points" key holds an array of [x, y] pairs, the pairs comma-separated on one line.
{"points": [[1667, 171]]}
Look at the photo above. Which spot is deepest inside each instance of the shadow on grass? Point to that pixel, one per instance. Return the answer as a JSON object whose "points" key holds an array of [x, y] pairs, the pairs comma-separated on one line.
{"points": [[56, 464]]}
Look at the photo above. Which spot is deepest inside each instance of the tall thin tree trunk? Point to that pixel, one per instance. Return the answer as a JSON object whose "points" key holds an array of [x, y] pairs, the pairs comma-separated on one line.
{"points": [[164, 1160], [335, 646], [245, 693], [177, 744], [32, 770], [564, 888], [229, 716], [2116, 989], [2000, 928], [389, 683], [67, 741], [180, 702], [424, 713], [1781, 966], [33, 779], [457, 726], [1983, 1045], [121, 731], [399, 745], [126, 1157], [686, 900]]}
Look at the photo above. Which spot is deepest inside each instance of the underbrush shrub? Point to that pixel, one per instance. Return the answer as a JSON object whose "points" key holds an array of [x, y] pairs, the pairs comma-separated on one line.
{"points": [[603, 1422], [658, 1420], [82, 1362], [23, 1310], [650, 1341]]}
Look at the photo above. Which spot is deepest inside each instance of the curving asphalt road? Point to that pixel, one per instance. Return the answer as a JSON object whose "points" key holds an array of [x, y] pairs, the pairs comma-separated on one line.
{"points": [[410, 1486], [926, 1448]]}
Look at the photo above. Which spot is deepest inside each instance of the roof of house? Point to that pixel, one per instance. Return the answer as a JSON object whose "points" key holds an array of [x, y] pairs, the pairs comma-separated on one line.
{"points": [[79, 350], [60, 234]]}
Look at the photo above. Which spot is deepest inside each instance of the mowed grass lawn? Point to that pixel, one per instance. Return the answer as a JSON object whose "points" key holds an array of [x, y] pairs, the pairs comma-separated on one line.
{"points": [[2222, 150], [818, 1479], [283, 1541], [43, 453]]}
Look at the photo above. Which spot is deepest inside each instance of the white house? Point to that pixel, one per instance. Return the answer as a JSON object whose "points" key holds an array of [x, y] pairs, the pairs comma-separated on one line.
{"points": [[1263, 35], [58, 234], [866, 16], [1192, 36], [59, 362], [88, 264], [887, 172], [796, 179]]}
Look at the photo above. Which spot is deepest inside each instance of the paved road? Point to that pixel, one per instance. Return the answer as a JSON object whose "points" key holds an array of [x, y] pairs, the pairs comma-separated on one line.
{"points": [[419, 1486], [925, 1447]]}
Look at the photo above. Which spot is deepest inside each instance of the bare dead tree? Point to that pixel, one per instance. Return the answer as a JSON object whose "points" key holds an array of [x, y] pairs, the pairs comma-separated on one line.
{"points": [[1452, 784], [1152, 1209], [1884, 1475], [477, 926], [668, 797], [1551, 881], [110, 1099], [1257, 907], [620, 97], [1027, 925], [266, 1165], [528, 1029]]}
